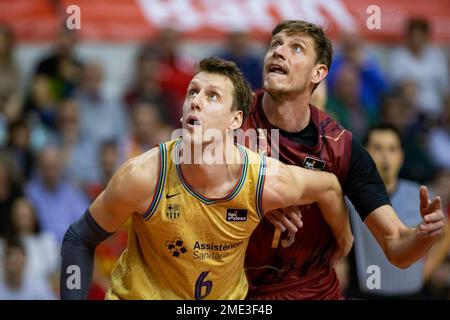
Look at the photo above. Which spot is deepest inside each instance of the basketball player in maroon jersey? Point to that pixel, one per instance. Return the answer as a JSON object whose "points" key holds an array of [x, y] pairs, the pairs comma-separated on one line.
{"points": [[300, 265]]}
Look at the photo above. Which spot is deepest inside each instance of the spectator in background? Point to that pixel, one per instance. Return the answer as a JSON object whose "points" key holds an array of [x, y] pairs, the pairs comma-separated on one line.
{"points": [[58, 203], [147, 130], [424, 64], [239, 51], [10, 100], [174, 70], [438, 286], [100, 118], [441, 185], [10, 190], [41, 247], [417, 165], [79, 152], [439, 140], [14, 283], [395, 111], [41, 109], [19, 148], [372, 84], [56, 77], [108, 163], [383, 142], [344, 103], [145, 86], [61, 68]]}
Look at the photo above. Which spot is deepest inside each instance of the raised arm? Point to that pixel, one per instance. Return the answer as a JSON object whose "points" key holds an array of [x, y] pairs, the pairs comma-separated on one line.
{"points": [[127, 193], [292, 186], [402, 245]]}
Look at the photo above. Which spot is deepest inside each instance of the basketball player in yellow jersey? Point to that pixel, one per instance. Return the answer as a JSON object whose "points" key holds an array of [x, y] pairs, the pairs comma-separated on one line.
{"points": [[192, 213]]}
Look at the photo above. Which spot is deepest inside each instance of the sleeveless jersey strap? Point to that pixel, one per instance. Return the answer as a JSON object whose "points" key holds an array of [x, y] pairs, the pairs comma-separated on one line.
{"points": [[260, 186], [161, 181]]}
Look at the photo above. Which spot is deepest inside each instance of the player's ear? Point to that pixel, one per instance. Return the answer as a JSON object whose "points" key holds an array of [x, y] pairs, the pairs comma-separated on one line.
{"points": [[181, 120], [237, 120], [320, 71]]}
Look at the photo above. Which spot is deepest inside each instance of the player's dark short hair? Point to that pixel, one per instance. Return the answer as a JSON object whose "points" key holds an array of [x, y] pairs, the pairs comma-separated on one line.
{"points": [[382, 127], [322, 45], [242, 94]]}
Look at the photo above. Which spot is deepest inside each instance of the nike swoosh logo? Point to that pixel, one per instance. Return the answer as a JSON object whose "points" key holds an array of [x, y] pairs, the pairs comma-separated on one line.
{"points": [[172, 195]]}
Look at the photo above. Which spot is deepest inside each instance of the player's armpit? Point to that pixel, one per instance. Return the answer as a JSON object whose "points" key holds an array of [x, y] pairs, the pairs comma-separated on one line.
{"points": [[129, 191]]}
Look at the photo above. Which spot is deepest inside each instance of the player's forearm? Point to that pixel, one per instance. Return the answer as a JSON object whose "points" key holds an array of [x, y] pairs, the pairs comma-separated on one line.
{"points": [[407, 248], [334, 210], [77, 257]]}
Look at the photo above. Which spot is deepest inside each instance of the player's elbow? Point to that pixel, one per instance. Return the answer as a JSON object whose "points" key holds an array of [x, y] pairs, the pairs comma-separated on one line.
{"points": [[399, 262], [85, 233], [75, 238]]}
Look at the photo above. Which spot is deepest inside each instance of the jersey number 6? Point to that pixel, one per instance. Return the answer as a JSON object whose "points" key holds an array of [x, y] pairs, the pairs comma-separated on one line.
{"points": [[200, 284]]}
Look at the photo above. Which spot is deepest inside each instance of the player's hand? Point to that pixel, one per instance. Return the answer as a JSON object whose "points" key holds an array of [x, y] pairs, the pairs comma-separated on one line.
{"points": [[286, 218], [433, 218]]}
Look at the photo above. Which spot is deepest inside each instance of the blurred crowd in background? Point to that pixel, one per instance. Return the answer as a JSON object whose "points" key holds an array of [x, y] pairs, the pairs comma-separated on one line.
{"points": [[62, 137]]}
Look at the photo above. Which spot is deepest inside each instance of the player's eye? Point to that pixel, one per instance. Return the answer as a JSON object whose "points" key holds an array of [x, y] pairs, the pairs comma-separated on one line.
{"points": [[298, 49], [192, 93], [214, 97], [275, 45]]}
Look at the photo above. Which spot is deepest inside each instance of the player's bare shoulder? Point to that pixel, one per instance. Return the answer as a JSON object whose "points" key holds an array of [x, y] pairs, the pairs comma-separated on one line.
{"points": [[134, 182]]}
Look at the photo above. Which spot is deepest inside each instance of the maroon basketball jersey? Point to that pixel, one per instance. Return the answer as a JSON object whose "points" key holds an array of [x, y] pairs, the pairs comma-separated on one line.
{"points": [[298, 266]]}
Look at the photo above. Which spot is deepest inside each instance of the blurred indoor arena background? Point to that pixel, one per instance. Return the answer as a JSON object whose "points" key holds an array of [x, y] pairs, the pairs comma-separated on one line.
{"points": [[85, 87]]}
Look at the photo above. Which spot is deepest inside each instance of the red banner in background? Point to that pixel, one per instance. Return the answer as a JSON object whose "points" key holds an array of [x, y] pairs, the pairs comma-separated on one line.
{"points": [[131, 20]]}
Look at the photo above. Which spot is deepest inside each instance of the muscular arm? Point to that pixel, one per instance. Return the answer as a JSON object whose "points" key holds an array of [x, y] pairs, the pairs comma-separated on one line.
{"points": [[292, 186], [127, 193], [403, 246], [365, 188]]}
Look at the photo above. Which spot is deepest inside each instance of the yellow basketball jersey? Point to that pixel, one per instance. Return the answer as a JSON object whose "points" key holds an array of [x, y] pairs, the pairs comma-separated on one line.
{"points": [[188, 246]]}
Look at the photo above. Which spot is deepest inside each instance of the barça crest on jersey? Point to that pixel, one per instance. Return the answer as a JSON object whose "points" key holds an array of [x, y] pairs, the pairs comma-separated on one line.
{"points": [[313, 163], [173, 211]]}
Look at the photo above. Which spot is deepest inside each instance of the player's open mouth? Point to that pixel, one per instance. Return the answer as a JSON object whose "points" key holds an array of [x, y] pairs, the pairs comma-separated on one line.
{"points": [[193, 121], [276, 68]]}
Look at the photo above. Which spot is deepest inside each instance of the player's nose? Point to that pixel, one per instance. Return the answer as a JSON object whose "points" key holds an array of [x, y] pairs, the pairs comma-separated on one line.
{"points": [[196, 103], [278, 52]]}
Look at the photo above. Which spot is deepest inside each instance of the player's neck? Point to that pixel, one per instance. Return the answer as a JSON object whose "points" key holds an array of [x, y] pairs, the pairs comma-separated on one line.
{"points": [[211, 177], [291, 114]]}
